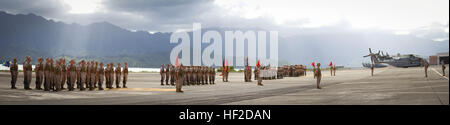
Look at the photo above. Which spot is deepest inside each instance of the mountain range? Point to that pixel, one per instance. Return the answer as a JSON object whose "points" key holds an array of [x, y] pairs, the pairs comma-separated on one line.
{"points": [[29, 34]]}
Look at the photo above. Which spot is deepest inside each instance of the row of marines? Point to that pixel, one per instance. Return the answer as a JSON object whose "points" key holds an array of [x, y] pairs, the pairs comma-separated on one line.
{"points": [[193, 75], [263, 72], [55, 75], [291, 71]]}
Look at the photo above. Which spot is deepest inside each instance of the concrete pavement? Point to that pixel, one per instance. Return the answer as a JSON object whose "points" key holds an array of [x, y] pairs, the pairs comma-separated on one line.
{"points": [[350, 86]]}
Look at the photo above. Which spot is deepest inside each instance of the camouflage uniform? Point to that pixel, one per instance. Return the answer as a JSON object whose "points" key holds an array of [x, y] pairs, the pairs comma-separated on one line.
{"points": [[92, 71], [258, 74], [107, 76], [78, 75], [14, 69], [201, 72], [118, 74], [425, 65], [318, 75], [88, 75], [211, 75], [214, 75], [72, 69], [175, 76], [64, 74], [196, 76], [167, 74], [371, 68], [57, 73], [41, 74], [162, 73], [111, 74], [39, 68], [188, 75], [334, 70], [255, 73], [52, 75], [226, 73], [125, 76], [83, 76], [172, 75], [246, 74], [331, 70], [47, 75], [101, 74], [205, 75], [314, 72], [179, 75], [27, 75], [96, 75]]}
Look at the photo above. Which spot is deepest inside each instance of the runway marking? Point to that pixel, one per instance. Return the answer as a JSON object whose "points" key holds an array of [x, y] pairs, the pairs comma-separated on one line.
{"points": [[397, 89], [437, 96], [350, 92], [142, 89], [439, 73]]}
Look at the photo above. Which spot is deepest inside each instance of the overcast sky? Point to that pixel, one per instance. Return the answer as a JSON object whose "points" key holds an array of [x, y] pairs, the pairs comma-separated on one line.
{"points": [[172, 15]]}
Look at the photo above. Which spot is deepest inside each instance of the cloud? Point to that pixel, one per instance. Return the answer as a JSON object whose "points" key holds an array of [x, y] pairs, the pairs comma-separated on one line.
{"points": [[285, 16], [159, 7], [170, 15], [41, 7], [435, 32], [154, 15]]}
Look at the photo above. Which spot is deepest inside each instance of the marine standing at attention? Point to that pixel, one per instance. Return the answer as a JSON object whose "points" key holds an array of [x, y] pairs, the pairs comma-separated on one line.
{"points": [[443, 67], [14, 69], [125, 75], [318, 76], [371, 68], [118, 74], [425, 65]]}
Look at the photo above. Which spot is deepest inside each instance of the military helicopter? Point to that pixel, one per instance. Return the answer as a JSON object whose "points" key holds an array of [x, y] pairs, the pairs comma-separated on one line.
{"points": [[407, 60]]}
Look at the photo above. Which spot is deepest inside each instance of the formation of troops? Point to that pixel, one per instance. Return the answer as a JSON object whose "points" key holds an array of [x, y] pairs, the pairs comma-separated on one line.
{"points": [[257, 72], [56, 75], [259, 76], [291, 71], [193, 75], [53, 75], [186, 75], [267, 73]]}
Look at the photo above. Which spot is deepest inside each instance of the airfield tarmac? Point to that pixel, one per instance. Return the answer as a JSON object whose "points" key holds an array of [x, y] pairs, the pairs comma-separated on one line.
{"points": [[388, 86]]}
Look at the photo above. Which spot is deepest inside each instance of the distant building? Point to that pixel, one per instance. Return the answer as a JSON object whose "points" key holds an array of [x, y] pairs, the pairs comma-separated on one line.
{"points": [[436, 59]]}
